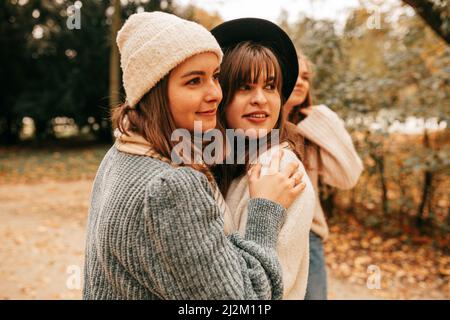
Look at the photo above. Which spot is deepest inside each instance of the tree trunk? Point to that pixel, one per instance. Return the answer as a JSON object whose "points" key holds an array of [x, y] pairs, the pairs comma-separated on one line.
{"points": [[9, 135], [420, 220], [104, 134], [114, 64], [384, 199], [43, 131], [426, 189]]}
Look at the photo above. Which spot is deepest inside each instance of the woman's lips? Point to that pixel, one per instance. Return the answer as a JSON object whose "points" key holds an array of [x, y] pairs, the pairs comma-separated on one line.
{"points": [[211, 112], [256, 117]]}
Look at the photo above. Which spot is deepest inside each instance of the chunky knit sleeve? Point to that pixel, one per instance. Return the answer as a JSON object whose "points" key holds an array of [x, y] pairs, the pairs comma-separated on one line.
{"points": [[340, 165], [196, 259]]}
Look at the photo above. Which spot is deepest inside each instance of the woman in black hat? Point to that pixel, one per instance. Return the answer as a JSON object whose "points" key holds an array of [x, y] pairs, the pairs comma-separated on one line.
{"points": [[258, 73]]}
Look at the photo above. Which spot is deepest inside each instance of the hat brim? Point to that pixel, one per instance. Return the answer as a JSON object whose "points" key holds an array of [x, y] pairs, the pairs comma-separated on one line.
{"points": [[231, 33]]}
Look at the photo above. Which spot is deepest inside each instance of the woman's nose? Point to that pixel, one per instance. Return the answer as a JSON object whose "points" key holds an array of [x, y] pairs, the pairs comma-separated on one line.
{"points": [[259, 97], [214, 93]]}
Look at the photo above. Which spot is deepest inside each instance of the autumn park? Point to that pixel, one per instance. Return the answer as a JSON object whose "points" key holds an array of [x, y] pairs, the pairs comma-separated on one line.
{"points": [[382, 66]]}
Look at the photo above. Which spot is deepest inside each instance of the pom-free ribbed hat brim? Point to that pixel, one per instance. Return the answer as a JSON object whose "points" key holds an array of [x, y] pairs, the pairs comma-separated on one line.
{"points": [[151, 44]]}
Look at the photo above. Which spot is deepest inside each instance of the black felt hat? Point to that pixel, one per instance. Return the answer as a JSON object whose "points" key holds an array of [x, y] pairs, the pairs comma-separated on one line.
{"points": [[267, 33]]}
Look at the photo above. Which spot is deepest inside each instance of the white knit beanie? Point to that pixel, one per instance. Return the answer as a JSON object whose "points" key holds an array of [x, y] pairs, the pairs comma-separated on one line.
{"points": [[151, 44]]}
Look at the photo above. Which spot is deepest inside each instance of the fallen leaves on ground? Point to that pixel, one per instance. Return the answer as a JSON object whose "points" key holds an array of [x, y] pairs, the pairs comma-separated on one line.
{"points": [[406, 270], [26, 165]]}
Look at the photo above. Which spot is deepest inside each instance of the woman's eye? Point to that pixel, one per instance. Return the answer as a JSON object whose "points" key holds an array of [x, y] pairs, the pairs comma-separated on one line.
{"points": [[244, 87], [270, 86], [216, 76], [194, 81]]}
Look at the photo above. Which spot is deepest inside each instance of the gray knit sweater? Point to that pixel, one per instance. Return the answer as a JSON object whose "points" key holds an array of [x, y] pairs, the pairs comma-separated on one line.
{"points": [[155, 232]]}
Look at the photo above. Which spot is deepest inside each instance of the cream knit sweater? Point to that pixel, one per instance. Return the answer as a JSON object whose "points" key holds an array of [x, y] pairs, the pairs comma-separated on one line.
{"points": [[293, 240], [335, 159]]}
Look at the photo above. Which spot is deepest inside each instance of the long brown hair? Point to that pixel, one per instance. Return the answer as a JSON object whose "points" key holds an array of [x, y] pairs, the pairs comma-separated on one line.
{"points": [[243, 64], [295, 116], [151, 118]]}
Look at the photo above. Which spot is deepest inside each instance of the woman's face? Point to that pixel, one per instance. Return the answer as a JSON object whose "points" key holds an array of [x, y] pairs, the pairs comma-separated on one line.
{"points": [[194, 91], [255, 106], [301, 88]]}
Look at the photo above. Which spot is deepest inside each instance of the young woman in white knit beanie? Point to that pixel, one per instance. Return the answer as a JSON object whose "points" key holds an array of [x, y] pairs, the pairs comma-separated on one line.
{"points": [[156, 229], [329, 152], [255, 80]]}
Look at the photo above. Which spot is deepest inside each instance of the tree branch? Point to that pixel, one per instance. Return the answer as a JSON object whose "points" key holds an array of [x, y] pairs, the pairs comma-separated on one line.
{"points": [[433, 15]]}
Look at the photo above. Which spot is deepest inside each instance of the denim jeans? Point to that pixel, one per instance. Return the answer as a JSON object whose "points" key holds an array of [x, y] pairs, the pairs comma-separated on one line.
{"points": [[317, 277]]}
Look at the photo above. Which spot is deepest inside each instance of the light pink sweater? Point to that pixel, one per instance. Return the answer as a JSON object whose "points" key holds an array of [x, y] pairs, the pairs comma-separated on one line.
{"points": [[335, 159]]}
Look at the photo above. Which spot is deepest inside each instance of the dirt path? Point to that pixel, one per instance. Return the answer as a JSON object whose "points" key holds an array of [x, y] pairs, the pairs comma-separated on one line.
{"points": [[42, 227]]}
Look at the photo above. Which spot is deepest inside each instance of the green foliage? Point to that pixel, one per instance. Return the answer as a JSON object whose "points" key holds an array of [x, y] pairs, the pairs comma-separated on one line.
{"points": [[373, 78], [62, 73]]}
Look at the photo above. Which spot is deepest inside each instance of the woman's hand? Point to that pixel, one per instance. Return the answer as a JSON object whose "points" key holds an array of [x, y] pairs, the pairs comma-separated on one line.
{"points": [[282, 187], [306, 111]]}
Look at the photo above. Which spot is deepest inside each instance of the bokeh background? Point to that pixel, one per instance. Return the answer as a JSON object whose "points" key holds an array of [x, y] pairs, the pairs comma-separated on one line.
{"points": [[383, 66]]}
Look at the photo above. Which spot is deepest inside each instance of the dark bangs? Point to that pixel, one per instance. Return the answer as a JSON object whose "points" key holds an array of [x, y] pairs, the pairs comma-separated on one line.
{"points": [[245, 64]]}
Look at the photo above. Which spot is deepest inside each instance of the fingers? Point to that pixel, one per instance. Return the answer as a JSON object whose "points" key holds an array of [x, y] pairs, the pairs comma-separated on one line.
{"points": [[297, 177], [275, 161], [297, 173], [298, 189], [255, 172], [290, 169], [306, 111]]}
